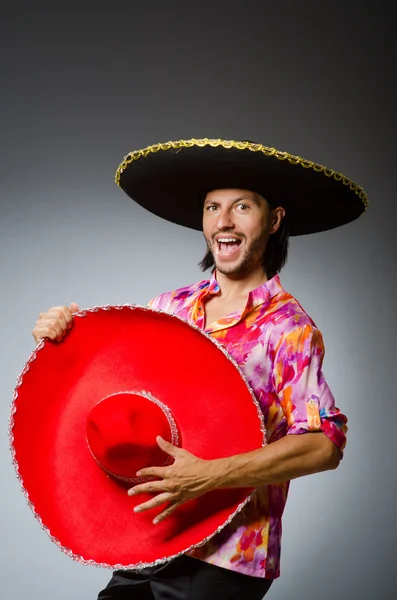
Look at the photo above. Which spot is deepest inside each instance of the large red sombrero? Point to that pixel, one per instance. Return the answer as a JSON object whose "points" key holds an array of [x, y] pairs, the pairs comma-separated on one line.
{"points": [[84, 419]]}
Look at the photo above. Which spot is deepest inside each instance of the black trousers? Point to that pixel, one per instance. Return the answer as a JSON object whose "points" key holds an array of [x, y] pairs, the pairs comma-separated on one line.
{"points": [[184, 578]]}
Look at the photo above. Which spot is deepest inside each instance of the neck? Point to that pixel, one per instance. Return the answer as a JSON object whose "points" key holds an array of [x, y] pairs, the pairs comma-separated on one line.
{"points": [[240, 284]]}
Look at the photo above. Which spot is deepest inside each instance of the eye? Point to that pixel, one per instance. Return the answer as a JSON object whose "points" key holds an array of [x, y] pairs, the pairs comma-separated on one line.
{"points": [[242, 207], [211, 208]]}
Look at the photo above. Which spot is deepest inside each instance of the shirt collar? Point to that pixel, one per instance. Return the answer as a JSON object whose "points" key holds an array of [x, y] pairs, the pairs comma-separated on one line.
{"points": [[264, 292], [258, 296], [213, 287]]}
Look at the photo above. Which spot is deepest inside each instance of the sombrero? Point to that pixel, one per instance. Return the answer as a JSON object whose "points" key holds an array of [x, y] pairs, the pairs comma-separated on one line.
{"points": [[171, 179], [84, 419]]}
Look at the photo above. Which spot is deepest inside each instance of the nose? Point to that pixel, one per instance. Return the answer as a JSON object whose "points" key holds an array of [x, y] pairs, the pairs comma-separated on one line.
{"points": [[224, 220]]}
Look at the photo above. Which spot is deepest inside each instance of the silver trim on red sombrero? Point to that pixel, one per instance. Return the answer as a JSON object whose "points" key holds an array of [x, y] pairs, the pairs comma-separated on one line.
{"points": [[70, 553]]}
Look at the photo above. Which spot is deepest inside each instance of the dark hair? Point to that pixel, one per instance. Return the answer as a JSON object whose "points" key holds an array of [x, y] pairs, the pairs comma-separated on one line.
{"points": [[275, 256]]}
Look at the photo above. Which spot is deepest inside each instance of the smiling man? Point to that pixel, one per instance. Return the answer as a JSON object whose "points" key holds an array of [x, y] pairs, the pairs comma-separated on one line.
{"points": [[247, 199], [237, 225]]}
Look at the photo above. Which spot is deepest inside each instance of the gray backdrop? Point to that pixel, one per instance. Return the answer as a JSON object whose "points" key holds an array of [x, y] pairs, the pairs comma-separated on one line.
{"points": [[83, 87]]}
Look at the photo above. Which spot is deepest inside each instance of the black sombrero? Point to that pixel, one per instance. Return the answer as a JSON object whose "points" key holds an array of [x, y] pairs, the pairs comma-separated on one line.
{"points": [[171, 179]]}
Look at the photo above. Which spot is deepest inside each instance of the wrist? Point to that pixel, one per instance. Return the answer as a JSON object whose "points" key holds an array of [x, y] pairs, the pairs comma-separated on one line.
{"points": [[222, 472], [214, 473]]}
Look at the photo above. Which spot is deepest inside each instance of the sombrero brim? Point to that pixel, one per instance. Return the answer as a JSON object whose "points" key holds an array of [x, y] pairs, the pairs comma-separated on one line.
{"points": [[171, 180], [84, 511]]}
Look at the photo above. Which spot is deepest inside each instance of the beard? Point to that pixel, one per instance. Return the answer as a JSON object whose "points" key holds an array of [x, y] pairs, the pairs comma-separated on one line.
{"points": [[253, 255]]}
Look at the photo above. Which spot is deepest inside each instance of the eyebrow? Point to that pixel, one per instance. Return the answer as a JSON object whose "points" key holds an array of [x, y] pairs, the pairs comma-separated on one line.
{"points": [[253, 199]]}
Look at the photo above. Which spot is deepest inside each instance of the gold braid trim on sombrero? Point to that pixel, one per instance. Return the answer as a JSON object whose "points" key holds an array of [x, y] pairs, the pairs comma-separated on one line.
{"points": [[296, 160]]}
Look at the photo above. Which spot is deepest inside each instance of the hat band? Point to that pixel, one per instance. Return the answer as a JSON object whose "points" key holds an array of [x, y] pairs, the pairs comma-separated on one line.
{"points": [[173, 428]]}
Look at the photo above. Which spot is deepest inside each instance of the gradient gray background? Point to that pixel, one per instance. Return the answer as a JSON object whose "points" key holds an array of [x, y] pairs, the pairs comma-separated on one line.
{"points": [[80, 89]]}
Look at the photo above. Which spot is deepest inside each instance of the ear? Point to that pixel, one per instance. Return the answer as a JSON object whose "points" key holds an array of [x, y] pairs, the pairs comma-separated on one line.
{"points": [[277, 215]]}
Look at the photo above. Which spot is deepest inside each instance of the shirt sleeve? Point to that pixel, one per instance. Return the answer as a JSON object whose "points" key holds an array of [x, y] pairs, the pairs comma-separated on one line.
{"points": [[299, 383], [160, 302], [152, 303]]}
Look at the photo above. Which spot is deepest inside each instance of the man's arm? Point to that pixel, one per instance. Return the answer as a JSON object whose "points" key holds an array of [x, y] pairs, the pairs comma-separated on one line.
{"points": [[314, 443], [288, 458], [190, 477]]}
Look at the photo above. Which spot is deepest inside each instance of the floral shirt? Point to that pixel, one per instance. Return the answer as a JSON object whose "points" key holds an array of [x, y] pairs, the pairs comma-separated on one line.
{"points": [[280, 351]]}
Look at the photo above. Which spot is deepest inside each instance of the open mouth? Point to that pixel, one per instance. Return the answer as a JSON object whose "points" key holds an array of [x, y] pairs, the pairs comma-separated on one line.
{"points": [[227, 246]]}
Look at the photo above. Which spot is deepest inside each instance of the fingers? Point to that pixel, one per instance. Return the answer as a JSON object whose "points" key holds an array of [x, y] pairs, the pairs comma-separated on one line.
{"points": [[60, 315], [162, 472], [150, 487], [169, 448], [153, 502], [55, 323], [42, 333], [158, 501], [166, 513]]}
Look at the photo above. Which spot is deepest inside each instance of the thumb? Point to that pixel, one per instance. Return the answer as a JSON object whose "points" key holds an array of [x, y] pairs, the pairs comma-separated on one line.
{"points": [[74, 307], [167, 447]]}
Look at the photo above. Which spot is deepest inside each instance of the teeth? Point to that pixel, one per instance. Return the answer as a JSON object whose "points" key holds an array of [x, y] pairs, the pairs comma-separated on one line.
{"points": [[226, 240]]}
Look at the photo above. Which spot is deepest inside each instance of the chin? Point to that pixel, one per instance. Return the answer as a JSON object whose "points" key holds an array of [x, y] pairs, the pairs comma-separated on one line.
{"points": [[229, 269]]}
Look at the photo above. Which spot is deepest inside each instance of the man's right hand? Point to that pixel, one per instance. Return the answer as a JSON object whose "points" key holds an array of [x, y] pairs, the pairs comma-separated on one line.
{"points": [[55, 323]]}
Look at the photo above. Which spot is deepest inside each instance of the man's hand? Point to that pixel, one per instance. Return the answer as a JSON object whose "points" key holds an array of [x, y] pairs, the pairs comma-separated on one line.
{"points": [[190, 477], [55, 323], [187, 478]]}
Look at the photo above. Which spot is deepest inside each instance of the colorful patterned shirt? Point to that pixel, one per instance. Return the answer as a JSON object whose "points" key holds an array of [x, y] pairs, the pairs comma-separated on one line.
{"points": [[280, 351]]}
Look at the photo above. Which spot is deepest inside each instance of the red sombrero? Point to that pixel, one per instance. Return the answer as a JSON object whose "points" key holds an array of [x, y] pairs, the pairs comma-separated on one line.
{"points": [[84, 419]]}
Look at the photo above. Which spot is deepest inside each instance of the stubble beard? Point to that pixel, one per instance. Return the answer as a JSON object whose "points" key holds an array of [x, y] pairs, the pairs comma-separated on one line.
{"points": [[249, 260]]}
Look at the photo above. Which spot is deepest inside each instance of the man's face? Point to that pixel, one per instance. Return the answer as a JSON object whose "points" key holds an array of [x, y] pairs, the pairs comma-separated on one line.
{"points": [[236, 226]]}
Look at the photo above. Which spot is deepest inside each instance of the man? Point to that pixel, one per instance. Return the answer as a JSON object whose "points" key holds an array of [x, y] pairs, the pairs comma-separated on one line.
{"points": [[280, 351]]}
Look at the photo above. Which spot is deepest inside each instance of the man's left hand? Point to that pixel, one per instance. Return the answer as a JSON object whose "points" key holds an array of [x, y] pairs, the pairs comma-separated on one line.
{"points": [[187, 478]]}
